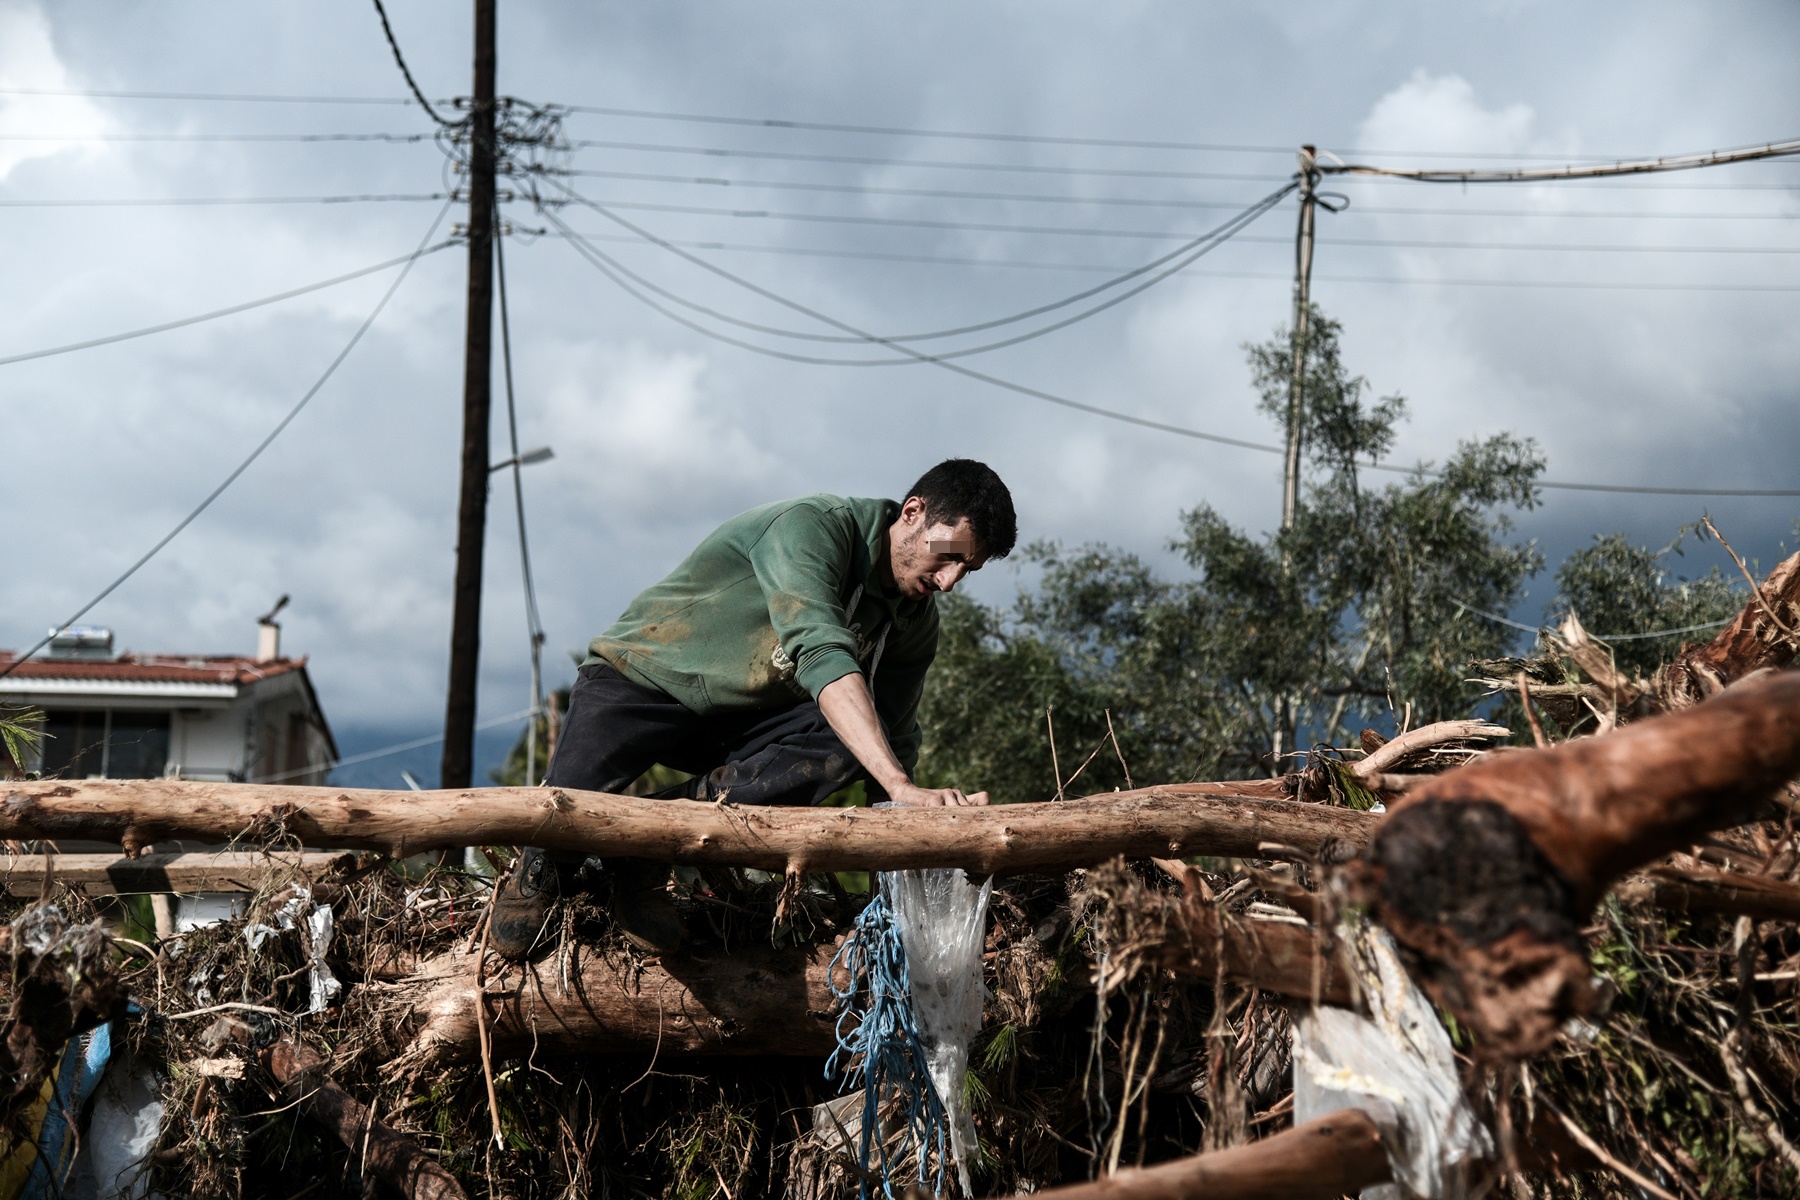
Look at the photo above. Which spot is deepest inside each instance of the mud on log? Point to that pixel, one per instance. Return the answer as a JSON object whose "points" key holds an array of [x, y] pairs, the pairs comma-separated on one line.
{"points": [[1487, 872], [748, 1001], [1230, 819]]}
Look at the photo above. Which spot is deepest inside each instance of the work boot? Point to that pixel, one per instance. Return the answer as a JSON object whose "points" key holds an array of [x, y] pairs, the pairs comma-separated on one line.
{"points": [[641, 906], [521, 908]]}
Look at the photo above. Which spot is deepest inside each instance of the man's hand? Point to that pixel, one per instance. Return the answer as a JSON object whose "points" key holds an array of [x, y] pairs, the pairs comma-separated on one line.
{"points": [[919, 797]]}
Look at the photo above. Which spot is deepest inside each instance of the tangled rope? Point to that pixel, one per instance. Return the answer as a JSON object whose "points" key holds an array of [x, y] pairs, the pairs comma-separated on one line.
{"points": [[884, 1047]]}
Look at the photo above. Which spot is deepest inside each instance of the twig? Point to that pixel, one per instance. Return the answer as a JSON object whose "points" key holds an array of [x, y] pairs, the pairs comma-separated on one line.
{"points": [[1755, 587], [1055, 769], [1598, 1151], [1537, 729], [230, 1004], [1740, 1083], [481, 1029], [1117, 750]]}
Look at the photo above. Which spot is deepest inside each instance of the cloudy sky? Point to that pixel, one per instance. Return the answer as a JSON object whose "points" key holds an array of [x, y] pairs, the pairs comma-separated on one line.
{"points": [[1640, 330]]}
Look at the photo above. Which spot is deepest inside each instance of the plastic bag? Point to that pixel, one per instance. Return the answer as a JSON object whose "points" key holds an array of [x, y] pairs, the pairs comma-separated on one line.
{"points": [[1395, 1065], [942, 919]]}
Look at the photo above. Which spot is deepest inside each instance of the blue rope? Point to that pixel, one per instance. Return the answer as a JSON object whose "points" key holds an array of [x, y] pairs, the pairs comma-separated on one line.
{"points": [[884, 1048]]}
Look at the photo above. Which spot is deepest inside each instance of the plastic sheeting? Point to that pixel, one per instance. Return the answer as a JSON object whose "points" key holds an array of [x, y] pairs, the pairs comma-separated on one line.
{"points": [[942, 919], [301, 910], [1395, 1064]]}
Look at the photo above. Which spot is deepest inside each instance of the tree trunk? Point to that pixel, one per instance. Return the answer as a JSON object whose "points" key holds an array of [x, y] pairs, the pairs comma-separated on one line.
{"points": [[748, 1001], [1752, 641], [1229, 819], [193, 871], [1488, 872]]}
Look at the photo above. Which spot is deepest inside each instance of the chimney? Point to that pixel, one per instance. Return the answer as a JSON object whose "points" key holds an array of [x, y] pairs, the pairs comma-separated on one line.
{"points": [[268, 633]]}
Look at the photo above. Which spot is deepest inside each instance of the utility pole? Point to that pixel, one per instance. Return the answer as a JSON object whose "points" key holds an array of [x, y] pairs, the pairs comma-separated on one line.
{"points": [[1290, 476], [458, 763], [1303, 255]]}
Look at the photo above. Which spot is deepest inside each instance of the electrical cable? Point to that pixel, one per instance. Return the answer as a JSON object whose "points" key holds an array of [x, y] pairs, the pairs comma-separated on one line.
{"points": [[176, 202], [1086, 171], [1022, 264], [534, 625], [96, 94], [1181, 258], [1156, 235], [1600, 637], [243, 466], [396, 748], [400, 60], [183, 322], [1549, 174], [860, 189], [218, 137], [1024, 390]]}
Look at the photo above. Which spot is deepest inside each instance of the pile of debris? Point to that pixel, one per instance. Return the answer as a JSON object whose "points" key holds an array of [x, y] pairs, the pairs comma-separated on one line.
{"points": [[1599, 932]]}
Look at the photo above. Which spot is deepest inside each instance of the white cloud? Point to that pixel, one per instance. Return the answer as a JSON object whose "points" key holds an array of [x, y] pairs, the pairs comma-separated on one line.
{"points": [[28, 61]]}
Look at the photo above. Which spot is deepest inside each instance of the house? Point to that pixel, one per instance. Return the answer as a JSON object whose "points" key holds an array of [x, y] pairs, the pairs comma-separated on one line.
{"points": [[231, 717]]}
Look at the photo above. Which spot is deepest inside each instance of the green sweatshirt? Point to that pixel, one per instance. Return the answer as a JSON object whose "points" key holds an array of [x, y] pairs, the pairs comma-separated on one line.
{"points": [[755, 617]]}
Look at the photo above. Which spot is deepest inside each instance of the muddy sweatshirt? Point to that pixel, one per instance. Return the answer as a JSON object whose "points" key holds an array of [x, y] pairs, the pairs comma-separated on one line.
{"points": [[773, 606]]}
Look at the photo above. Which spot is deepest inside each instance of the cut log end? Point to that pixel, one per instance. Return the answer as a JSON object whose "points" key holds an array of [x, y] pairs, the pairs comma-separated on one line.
{"points": [[1492, 925]]}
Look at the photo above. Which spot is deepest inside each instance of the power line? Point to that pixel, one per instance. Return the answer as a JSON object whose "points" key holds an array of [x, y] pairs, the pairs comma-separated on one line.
{"points": [[1024, 390], [1168, 235], [1062, 169], [1129, 201], [234, 97], [400, 60], [226, 312], [243, 466], [1180, 259], [1601, 637], [396, 748], [1644, 166], [208, 201], [1109, 268], [1043, 139], [395, 138]]}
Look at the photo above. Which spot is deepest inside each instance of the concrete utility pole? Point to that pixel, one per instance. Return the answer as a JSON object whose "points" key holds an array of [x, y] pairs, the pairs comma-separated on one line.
{"points": [[1303, 255], [458, 763]]}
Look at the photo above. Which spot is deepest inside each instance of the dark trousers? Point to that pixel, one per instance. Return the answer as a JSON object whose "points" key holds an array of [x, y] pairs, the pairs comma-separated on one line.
{"points": [[616, 730]]}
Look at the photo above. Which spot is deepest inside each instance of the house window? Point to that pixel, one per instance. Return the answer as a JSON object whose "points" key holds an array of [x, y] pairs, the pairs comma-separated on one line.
{"points": [[115, 744]]}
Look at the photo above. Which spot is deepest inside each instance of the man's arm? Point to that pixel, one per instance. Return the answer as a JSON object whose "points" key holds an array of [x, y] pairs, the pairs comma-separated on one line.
{"points": [[850, 710]]}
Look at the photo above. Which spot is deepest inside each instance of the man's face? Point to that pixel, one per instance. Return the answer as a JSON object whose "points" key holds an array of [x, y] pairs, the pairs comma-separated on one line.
{"points": [[931, 557]]}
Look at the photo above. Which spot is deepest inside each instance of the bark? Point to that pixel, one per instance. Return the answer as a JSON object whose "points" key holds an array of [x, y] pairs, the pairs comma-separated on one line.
{"points": [[1753, 641], [1339, 1153], [1391, 753], [1487, 872], [748, 1001], [1227, 819], [394, 1159], [105, 874]]}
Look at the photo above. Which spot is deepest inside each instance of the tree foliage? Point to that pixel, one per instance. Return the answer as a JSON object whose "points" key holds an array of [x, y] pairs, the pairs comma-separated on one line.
{"points": [[1617, 588], [1358, 614]]}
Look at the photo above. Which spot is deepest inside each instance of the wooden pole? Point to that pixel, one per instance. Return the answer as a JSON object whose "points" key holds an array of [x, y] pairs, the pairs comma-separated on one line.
{"points": [[458, 763], [1231, 819], [194, 871]]}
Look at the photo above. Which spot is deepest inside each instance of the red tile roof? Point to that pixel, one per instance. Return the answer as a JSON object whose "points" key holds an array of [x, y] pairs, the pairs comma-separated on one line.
{"points": [[154, 668]]}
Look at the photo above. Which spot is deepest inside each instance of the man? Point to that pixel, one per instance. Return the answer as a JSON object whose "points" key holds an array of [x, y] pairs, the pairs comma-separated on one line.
{"points": [[781, 662]]}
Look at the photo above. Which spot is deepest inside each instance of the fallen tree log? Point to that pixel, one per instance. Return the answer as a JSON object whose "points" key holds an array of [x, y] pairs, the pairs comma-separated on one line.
{"points": [[186, 873], [1227, 819], [1487, 872], [748, 1001], [380, 1151], [1340, 1153], [1765, 633], [1702, 890]]}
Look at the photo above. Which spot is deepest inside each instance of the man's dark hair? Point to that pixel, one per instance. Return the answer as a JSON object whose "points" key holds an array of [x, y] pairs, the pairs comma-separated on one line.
{"points": [[961, 487]]}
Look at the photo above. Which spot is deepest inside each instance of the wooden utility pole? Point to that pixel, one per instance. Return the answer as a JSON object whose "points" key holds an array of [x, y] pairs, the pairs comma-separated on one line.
{"points": [[458, 763], [1303, 254]]}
